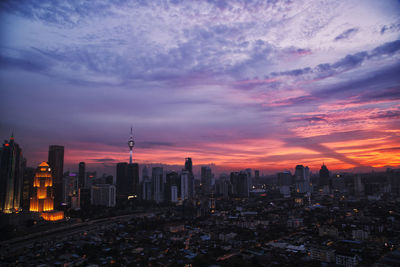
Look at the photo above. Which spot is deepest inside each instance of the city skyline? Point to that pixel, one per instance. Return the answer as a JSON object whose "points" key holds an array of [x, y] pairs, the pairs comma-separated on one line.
{"points": [[258, 85]]}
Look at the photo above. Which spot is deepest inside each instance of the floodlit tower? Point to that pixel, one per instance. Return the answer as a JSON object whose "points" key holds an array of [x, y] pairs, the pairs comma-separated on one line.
{"points": [[131, 144], [42, 199]]}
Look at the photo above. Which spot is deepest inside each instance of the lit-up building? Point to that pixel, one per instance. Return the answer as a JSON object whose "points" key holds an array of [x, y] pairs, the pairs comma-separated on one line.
{"points": [[11, 174], [42, 199]]}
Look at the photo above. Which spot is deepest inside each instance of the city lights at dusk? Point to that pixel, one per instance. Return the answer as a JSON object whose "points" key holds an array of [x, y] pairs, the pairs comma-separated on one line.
{"points": [[257, 84], [209, 133]]}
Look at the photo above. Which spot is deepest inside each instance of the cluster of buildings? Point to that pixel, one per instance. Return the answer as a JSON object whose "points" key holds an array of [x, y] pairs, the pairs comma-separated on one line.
{"points": [[311, 219]]}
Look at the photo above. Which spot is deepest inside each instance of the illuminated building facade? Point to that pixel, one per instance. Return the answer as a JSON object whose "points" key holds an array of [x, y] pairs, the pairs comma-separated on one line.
{"points": [[11, 175], [42, 199]]}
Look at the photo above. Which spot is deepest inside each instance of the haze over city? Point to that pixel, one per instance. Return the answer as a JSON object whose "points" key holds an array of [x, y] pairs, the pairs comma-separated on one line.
{"points": [[259, 84]]}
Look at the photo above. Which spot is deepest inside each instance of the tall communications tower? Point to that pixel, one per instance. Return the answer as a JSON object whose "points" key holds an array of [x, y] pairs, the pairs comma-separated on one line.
{"points": [[131, 144]]}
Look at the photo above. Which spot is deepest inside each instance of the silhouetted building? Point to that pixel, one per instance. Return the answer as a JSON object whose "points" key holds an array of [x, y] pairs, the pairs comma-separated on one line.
{"points": [[103, 195], [127, 180], [131, 144], [90, 179], [301, 183], [190, 182], [27, 188], [285, 178], [11, 175], [84, 198], [185, 180], [157, 174], [206, 179], [257, 177], [240, 184], [56, 163], [323, 176], [189, 165], [172, 186], [147, 188], [81, 175]]}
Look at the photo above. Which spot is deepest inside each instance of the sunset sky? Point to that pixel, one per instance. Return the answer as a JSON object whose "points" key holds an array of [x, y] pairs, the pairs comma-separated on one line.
{"points": [[242, 84]]}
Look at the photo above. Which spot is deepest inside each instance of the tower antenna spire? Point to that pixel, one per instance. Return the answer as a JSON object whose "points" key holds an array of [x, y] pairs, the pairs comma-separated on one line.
{"points": [[131, 144]]}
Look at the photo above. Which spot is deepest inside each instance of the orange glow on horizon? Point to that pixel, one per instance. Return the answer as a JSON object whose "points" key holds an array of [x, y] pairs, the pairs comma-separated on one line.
{"points": [[263, 154]]}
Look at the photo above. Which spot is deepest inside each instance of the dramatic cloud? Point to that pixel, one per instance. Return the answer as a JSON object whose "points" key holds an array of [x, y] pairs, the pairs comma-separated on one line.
{"points": [[260, 84]]}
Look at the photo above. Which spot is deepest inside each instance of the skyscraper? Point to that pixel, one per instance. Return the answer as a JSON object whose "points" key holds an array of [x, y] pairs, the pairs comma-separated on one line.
{"points": [[184, 184], [240, 184], [42, 199], [81, 175], [190, 182], [189, 165], [56, 163], [172, 183], [157, 174], [206, 179], [323, 176], [43, 195], [11, 174], [127, 180]]}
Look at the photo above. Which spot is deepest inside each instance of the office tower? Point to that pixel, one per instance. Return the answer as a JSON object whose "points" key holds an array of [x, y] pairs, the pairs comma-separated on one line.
{"points": [[56, 163], [307, 174], [81, 175], [285, 178], [189, 165], [133, 176], [323, 176], [70, 187], [127, 180], [131, 144], [145, 185], [147, 188], [171, 180], [11, 176], [42, 199], [223, 186], [27, 188], [157, 174], [185, 184], [240, 184], [299, 173], [206, 179], [190, 182], [103, 195], [301, 185], [84, 198], [145, 173], [257, 177]]}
